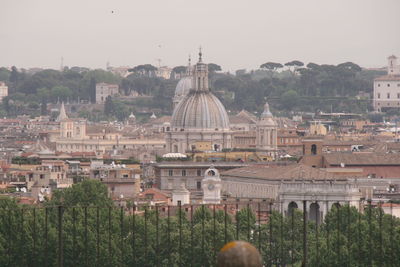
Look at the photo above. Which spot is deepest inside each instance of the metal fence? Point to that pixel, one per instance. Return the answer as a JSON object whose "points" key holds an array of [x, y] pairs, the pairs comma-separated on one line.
{"points": [[192, 235]]}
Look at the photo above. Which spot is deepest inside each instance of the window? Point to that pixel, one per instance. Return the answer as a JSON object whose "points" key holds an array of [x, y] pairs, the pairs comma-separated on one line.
{"points": [[379, 85], [398, 95], [313, 149], [388, 85], [388, 95], [170, 172], [379, 95], [183, 172], [198, 185], [198, 172]]}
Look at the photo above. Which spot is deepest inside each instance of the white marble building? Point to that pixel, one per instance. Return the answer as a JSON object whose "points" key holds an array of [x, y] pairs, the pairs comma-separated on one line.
{"points": [[3, 90], [387, 87], [319, 197]]}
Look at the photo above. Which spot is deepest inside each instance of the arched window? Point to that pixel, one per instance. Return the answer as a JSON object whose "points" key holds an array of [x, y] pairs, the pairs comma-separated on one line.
{"points": [[211, 173], [313, 149], [292, 205], [314, 212]]}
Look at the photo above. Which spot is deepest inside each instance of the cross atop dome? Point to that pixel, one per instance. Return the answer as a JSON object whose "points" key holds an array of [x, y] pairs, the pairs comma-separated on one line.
{"points": [[266, 113], [189, 67], [200, 75], [200, 55]]}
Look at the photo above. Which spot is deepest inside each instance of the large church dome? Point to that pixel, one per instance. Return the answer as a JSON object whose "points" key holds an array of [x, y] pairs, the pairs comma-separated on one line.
{"points": [[200, 109]]}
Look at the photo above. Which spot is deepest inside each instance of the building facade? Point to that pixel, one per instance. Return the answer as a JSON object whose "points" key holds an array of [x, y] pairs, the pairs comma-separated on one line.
{"points": [[104, 90], [3, 90], [121, 181], [387, 88]]}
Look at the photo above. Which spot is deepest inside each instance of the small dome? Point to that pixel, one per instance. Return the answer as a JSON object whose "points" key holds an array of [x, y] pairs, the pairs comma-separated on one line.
{"points": [[132, 116], [267, 119], [153, 116], [183, 87], [200, 110]]}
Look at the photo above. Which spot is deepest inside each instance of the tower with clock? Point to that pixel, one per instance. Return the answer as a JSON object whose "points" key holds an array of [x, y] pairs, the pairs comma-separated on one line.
{"points": [[211, 185]]}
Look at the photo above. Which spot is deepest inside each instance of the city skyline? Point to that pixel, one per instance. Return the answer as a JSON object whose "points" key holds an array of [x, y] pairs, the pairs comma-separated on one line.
{"points": [[234, 35]]}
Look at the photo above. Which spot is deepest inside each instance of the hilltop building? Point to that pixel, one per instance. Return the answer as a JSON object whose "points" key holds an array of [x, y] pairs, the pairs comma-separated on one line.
{"points": [[387, 87], [3, 90], [104, 90]]}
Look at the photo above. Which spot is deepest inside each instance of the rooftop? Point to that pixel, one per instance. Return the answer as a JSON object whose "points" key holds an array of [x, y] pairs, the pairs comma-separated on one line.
{"points": [[282, 172]]}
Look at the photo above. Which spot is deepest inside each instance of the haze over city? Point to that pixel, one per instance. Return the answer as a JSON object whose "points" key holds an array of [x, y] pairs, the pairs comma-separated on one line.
{"points": [[199, 133], [234, 34]]}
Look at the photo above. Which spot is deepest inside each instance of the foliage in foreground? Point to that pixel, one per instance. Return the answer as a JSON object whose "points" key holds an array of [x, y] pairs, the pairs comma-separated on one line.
{"points": [[96, 233]]}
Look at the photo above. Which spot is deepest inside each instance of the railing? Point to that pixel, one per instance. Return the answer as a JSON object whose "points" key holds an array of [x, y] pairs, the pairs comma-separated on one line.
{"points": [[192, 235]]}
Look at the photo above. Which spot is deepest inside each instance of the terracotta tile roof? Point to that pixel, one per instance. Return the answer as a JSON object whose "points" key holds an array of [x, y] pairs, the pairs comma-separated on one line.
{"points": [[362, 159], [83, 154], [157, 194], [240, 119], [279, 172], [98, 129], [388, 78]]}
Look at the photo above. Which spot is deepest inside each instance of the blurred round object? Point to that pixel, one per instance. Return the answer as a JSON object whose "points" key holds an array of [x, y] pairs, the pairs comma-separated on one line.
{"points": [[239, 254]]}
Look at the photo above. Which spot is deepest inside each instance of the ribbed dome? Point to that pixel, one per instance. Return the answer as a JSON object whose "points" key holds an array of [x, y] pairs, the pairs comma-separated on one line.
{"points": [[200, 110], [183, 87]]}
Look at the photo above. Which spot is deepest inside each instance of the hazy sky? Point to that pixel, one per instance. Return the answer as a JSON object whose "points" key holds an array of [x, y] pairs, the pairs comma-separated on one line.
{"points": [[235, 34]]}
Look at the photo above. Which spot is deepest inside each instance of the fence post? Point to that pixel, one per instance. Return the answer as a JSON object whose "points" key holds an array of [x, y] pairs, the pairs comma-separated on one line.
{"points": [[316, 231], [122, 234], [370, 233], [214, 235], [34, 238], [225, 224], [304, 233], [46, 219], [73, 235], [270, 233], [86, 236], [98, 236], [338, 218], [110, 256], [180, 233], [259, 227], [157, 238], [237, 219], [60, 237]]}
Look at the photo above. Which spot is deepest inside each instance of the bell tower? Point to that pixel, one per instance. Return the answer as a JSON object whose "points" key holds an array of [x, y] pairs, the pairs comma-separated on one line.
{"points": [[312, 151], [267, 133], [393, 68], [211, 185]]}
